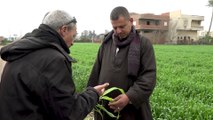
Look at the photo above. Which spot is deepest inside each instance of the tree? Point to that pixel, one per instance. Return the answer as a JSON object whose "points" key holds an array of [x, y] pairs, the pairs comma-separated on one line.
{"points": [[210, 5], [87, 36]]}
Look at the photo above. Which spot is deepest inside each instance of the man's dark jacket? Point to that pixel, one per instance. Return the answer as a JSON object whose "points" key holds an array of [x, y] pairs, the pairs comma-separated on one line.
{"points": [[37, 84], [113, 68]]}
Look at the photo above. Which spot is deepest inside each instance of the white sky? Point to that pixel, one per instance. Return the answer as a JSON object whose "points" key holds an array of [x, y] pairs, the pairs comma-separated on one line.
{"points": [[21, 16]]}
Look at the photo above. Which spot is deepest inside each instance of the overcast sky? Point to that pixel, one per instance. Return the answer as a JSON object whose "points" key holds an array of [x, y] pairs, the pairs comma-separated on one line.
{"points": [[21, 16]]}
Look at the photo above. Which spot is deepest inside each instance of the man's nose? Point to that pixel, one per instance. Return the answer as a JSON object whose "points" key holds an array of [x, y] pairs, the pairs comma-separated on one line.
{"points": [[118, 30], [72, 43]]}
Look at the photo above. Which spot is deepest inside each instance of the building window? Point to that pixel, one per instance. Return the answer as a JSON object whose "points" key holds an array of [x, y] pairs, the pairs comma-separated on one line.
{"points": [[147, 22], [185, 23], [134, 23], [165, 24]]}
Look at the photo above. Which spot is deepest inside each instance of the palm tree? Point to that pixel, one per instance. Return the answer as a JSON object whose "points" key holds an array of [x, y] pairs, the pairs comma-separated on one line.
{"points": [[210, 5]]}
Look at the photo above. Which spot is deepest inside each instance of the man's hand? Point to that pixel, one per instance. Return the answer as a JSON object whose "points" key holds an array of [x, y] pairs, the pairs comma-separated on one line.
{"points": [[119, 102], [101, 88]]}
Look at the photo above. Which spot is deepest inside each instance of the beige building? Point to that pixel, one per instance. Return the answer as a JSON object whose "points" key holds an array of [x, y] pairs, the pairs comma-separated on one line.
{"points": [[183, 29], [154, 27], [1, 38], [203, 33]]}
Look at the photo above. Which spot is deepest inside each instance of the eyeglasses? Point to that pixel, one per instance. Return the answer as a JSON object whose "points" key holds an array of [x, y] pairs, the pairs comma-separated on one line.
{"points": [[72, 21]]}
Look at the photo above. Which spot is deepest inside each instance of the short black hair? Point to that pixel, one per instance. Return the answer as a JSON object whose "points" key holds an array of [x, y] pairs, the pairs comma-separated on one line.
{"points": [[119, 11]]}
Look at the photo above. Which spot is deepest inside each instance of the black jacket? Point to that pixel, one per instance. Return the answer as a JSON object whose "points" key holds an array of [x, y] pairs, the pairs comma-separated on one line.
{"points": [[113, 68], [36, 83]]}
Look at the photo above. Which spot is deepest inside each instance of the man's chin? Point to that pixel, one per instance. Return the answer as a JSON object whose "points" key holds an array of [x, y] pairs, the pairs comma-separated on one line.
{"points": [[122, 37]]}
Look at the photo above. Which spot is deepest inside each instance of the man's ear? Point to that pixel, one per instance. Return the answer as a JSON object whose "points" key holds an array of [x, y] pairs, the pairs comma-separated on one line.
{"points": [[131, 20], [62, 31]]}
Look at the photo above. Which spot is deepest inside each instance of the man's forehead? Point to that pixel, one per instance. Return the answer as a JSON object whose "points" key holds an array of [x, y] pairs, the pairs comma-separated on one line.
{"points": [[120, 21]]}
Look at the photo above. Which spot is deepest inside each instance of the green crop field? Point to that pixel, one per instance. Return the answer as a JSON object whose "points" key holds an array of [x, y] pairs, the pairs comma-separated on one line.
{"points": [[184, 89]]}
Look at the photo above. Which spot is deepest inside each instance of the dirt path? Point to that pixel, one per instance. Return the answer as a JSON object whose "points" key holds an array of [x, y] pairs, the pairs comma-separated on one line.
{"points": [[1, 66], [2, 63]]}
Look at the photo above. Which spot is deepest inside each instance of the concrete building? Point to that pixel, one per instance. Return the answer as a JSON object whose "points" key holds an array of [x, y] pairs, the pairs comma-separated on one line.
{"points": [[154, 27], [1, 39], [183, 29], [169, 28], [203, 33]]}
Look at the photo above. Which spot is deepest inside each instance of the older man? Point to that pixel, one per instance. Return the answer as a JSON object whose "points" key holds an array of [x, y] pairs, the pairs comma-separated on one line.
{"points": [[37, 79]]}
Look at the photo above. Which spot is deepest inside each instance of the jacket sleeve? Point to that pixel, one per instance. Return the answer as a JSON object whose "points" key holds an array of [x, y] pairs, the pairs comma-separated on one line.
{"points": [[59, 98], [94, 76], [145, 82]]}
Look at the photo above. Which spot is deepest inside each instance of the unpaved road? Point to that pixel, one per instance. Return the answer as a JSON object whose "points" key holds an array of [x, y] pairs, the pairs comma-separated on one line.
{"points": [[2, 63]]}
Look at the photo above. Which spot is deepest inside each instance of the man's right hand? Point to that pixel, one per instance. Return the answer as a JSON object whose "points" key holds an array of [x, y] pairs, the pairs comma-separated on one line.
{"points": [[101, 88]]}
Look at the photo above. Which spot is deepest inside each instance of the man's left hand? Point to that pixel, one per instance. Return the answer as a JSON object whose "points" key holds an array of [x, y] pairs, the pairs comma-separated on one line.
{"points": [[119, 102]]}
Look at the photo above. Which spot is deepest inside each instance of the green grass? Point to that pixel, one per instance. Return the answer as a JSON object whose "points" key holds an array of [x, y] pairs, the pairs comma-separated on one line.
{"points": [[184, 89], [85, 54]]}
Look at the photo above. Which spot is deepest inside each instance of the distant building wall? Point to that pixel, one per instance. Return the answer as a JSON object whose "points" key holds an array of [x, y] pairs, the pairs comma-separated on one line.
{"points": [[203, 33], [1, 39], [172, 27], [154, 27], [184, 28]]}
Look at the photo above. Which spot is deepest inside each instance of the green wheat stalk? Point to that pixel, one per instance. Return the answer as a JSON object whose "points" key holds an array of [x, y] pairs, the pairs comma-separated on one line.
{"points": [[99, 107]]}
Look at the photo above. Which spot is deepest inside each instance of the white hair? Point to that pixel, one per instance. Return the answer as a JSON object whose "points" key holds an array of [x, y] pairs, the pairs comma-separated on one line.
{"points": [[57, 18]]}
